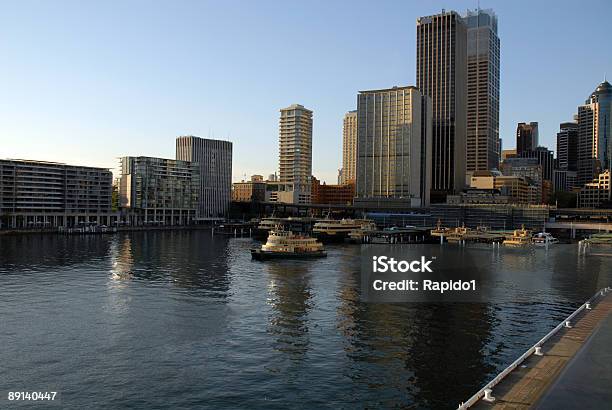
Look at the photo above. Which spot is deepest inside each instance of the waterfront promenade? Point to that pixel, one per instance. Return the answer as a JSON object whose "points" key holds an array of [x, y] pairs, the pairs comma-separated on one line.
{"points": [[574, 368]]}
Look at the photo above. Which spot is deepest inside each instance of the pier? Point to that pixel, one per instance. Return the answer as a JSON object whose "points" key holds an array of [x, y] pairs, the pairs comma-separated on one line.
{"points": [[399, 235], [570, 367]]}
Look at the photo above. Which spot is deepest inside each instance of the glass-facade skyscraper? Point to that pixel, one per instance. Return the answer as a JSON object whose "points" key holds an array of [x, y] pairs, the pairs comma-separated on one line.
{"points": [[483, 147], [442, 75]]}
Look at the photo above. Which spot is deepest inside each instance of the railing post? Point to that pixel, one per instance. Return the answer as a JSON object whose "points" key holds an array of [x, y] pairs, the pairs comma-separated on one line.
{"points": [[487, 396]]}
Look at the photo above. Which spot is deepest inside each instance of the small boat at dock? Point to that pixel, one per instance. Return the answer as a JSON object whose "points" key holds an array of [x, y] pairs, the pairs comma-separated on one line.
{"points": [[521, 238], [543, 239]]}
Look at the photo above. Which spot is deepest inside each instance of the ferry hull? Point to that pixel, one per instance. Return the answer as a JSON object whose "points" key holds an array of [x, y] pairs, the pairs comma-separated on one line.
{"points": [[330, 238], [260, 255]]}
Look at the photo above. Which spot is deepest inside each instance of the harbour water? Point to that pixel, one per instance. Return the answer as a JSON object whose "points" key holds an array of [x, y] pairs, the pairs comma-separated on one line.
{"points": [[183, 319]]}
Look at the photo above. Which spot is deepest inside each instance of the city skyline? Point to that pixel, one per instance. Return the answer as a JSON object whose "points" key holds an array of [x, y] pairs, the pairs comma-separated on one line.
{"points": [[132, 91]]}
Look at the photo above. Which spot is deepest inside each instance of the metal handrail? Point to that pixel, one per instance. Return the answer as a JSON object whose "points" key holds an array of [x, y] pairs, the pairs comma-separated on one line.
{"points": [[564, 324]]}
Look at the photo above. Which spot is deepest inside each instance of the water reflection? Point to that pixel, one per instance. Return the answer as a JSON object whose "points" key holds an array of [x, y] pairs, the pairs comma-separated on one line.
{"points": [[37, 252], [183, 316], [187, 259], [289, 294]]}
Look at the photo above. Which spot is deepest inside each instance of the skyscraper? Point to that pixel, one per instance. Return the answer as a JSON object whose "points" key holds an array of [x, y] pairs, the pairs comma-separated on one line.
{"points": [[483, 144], [595, 133], [546, 158], [349, 147], [567, 146], [526, 137], [442, 75], [214, 158], [393, 143], [295, 154]]}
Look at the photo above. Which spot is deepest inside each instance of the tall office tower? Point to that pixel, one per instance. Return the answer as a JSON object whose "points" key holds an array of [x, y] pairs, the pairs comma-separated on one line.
{"points": [[349, 147], [393, 143], [442, 75], [482, 150], [546, 158], [567, 146], [526, 137], [295, 154], [595, 133], [215, 161]]}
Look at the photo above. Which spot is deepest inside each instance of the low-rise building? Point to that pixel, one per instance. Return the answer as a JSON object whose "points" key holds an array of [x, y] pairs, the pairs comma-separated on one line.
{"points": [[531, 171], [287, 193], [249, 191], [342, 194], [39, 194], [595, 193], [158, 191], [514, 187], [480, 196]]}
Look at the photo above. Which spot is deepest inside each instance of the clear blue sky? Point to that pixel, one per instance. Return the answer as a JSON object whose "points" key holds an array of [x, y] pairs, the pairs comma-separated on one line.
{"points": [[87, 82]]}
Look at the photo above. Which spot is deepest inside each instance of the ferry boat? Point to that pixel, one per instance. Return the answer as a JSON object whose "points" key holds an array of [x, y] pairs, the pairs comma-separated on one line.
{"points": [[457, 234], [543, 239], [286, 244], [330, 230], [439, 230], [521, 238], [265, 225]]}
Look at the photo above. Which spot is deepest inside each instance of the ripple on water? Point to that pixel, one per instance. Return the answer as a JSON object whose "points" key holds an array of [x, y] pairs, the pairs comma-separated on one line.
{"points": [[177, 319]]}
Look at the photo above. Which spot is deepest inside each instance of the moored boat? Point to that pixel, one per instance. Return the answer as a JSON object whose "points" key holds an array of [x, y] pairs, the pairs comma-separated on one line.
{"points": [[544, 239], [330, 230], [521, 238], [457, 234]]}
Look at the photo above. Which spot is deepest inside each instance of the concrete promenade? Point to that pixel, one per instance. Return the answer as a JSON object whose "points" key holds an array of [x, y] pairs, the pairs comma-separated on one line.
{"points": [[575, 370]]}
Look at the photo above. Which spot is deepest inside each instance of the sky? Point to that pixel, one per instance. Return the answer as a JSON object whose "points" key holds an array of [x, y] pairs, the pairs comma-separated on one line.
{"points": [[87, 82]]}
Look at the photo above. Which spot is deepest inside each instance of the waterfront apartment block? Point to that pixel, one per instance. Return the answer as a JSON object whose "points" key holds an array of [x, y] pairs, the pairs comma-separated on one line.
{"points": [[249, 191], [159, 191], [567, 146], [38, 194], [393, 143], [595, 133], [349, 148], [341, 194], [295, 155], [214, 158], [596, 193], [483, 68], [526, 136], [441, 72]]}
